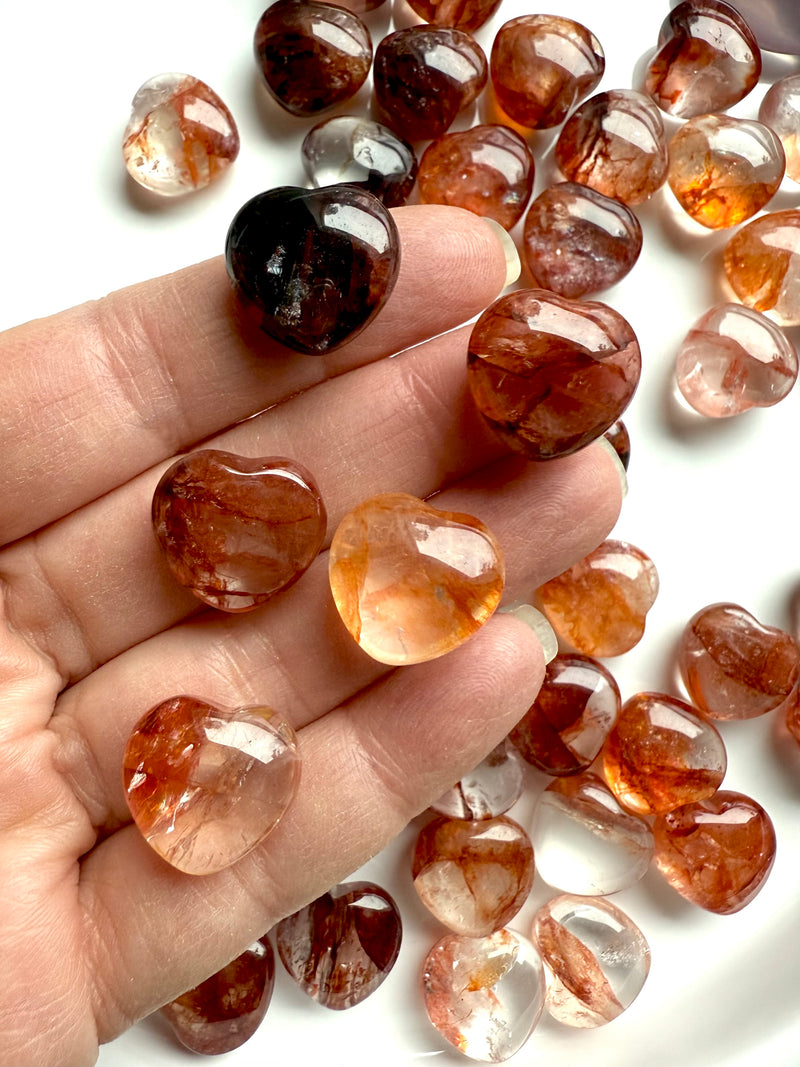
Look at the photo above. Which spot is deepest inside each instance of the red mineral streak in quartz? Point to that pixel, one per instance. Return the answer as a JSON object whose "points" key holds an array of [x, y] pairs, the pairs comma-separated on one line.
{"points": [[180, 136], [473, 876], [550, 374], [484, 994], [661, 754], [618, 435], [411, 582], [577, 241], [723, 170], [424, 76], [780, 110], [541, 66], [567, 724], [237, 530], [488, 790], [311, 55], [599, 605], [733, 666], [487, 170], [762, 264], [468, 15], [717, 852], [223, 1012], [615, 143], [341, 946], [206, 784], [707, 60], [734, 359]]}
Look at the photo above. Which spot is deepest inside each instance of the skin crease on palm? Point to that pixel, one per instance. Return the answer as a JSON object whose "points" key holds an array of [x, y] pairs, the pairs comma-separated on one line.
{"points": [[98, 400]]}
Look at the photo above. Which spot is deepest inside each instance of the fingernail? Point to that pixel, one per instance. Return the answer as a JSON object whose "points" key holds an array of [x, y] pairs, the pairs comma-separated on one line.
{"points": [[623, 476], [513, 265], [534, 619]]}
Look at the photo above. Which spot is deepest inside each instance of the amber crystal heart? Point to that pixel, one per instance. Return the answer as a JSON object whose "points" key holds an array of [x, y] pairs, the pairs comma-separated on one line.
{"points": [[236, 530], [206, 784], [550, 374], [762, 261], [316, 265], [412, 582]]}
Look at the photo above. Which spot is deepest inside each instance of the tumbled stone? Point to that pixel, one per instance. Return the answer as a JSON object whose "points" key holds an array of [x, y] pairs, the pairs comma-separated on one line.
{"points": [[615, 143], [236, 530], [722, 170], [225, 1010], [468, 15], [346, 148], [597, 958], [473, 876], [487, 170], [599, 605], [412, 582], [311, 55], [762, 264], [341, 946], [734, 359], [661, 754], [484, 995], [780, 110], [541, 66], [490, 789], [424, 76], [716, 852], [733, 666], [180, 136], [618, 435], [206, 784], [584, 841], [707, 59], [565, 727], [577, 241], [314, 266], [549, 374]]}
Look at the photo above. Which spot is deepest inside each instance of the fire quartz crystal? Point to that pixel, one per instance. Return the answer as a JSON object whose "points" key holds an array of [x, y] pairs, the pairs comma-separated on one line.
{"points": [[717, 852], [225, 1010], [488, 790], [599, 605], [484, 995], [468, 15], [662, 753], [707, 59], [411, 582], [596, 958], [734, 359], [762, 264], [733, 666], [235, 530], [549, 374], [341, 946], [780, 110], [206, 784], [618, 436], [180, 136], [473, 876]]}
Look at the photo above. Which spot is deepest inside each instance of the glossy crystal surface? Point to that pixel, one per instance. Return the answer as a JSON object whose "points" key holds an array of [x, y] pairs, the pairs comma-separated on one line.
{"points": [[617, 434], [490, 789], [762, 264], [468, 15], [780, 110]]}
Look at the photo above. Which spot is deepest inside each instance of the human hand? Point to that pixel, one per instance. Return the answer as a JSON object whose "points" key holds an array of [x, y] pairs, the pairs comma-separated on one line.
{"points": [[96, 930]]}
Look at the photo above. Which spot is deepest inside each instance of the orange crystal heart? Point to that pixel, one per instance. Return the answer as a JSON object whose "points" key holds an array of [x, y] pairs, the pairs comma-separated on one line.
{"points": [[411, 582]]}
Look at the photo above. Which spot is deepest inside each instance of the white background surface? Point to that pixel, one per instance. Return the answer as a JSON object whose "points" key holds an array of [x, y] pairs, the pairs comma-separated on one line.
{"points": [[715, 504]]}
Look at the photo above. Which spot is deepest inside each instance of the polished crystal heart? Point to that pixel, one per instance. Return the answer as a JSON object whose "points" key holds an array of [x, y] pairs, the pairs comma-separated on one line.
{"points": [[206, 784], [236, 530], [315, 265], [411, 582]]}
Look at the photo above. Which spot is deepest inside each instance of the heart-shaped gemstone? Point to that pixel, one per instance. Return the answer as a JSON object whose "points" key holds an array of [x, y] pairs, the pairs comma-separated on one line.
{"points": [[315, 264], [412, 582], [206, 784], [341, 946], [716, 852], [235, 530]]}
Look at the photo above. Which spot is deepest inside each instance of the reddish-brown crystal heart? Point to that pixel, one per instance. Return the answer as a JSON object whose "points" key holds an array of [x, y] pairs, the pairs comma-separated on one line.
{"points": [[411, 582], [468, 15], [235, 530], [206, 784], [762, 263], [341, 946], [717, 852], [223, 1012], [550, 374]]}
